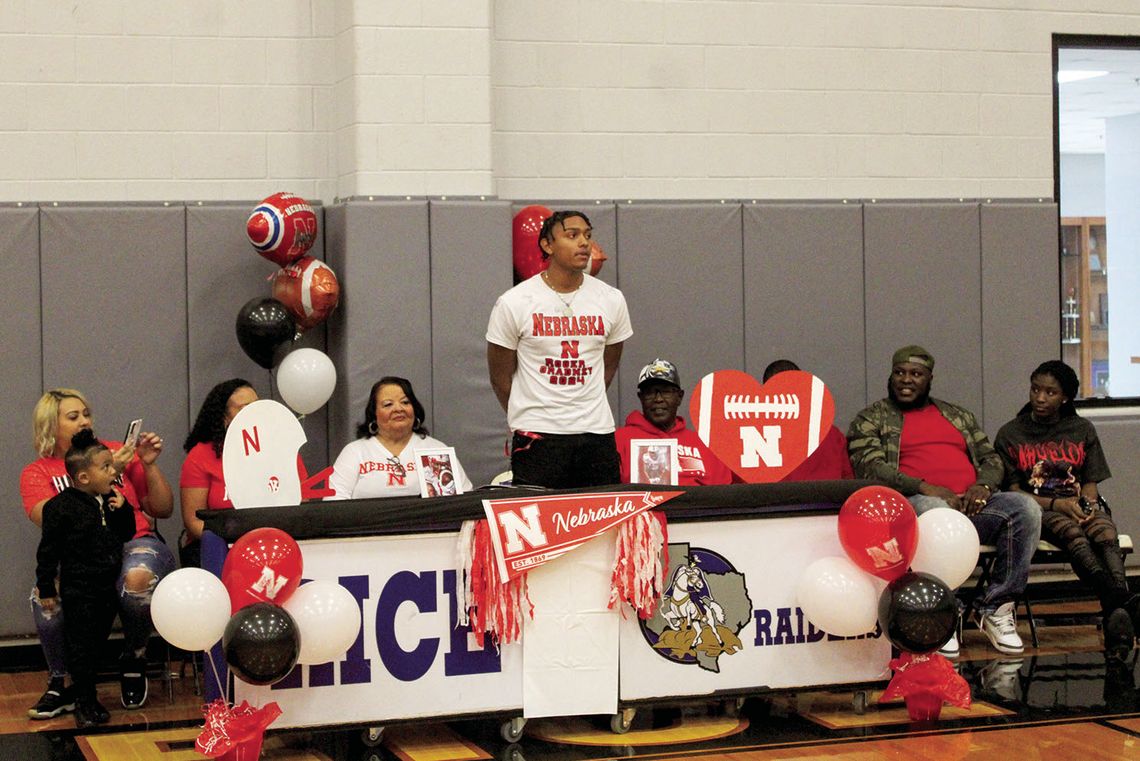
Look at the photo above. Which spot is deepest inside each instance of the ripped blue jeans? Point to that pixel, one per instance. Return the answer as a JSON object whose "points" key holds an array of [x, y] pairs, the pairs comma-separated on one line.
{"points": [[145, 552]]}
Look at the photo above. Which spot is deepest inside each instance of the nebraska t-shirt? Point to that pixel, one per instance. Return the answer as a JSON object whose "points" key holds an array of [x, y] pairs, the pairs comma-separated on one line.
{"points": [[560, 340], [932, 449]]}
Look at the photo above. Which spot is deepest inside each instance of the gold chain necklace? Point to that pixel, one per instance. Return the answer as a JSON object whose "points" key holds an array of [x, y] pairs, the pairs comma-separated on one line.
{"points": [[567, 304]]}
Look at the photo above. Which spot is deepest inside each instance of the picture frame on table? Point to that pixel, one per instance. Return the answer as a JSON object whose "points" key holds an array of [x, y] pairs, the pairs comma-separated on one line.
{"points": [[653, 461], [437, 472]]}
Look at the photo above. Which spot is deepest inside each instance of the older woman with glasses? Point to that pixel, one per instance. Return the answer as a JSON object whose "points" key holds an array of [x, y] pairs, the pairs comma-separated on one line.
{"points": [[382, 462]]}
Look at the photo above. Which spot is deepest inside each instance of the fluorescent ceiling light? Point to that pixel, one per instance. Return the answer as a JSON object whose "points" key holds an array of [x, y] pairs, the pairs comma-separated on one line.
{"points": [[1076, 75]]}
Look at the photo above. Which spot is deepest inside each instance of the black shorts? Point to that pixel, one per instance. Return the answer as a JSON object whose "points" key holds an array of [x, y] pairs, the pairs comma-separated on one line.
{"points": [[564, 461]]}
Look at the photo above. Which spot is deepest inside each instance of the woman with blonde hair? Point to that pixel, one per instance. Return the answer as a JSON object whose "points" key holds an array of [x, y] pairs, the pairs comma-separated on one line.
{"points": [[57, 417]]}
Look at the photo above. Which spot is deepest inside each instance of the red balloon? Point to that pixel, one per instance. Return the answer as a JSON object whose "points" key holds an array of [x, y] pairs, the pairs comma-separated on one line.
{"points": [[264, 565], [282, 228], [527, 255], [879, 531], [597, 257], [309, 290]]}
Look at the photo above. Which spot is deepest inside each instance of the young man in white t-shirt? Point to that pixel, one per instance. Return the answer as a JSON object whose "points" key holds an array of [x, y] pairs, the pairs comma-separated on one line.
{"points": [[554, 342]]}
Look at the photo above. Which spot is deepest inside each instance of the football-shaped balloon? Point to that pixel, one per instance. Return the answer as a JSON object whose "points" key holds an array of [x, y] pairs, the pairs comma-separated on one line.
{"points": [[282, 228], [309, 290], [597, 257]]}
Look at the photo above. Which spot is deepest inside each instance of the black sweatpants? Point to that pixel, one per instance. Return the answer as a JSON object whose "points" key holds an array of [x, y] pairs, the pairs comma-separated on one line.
{"points": [[91, 610]]}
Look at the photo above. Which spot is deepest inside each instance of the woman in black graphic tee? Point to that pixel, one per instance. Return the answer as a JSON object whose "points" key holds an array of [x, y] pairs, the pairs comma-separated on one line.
{"points": [[1054, 455]]}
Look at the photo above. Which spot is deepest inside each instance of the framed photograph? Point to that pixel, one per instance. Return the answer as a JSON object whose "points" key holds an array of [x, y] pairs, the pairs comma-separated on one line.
{"points": [[437, 472], [653, 461]]}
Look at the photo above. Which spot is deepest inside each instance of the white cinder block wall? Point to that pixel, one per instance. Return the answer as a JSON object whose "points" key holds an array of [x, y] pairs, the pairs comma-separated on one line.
{"points": [[217, 99]]}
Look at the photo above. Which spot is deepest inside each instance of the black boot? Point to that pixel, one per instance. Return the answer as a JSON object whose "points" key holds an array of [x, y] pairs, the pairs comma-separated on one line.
{"points": [[1118, 635]]}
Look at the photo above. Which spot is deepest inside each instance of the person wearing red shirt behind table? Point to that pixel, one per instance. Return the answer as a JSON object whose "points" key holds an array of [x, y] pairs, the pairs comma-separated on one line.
{"points": [[201, 485], [58, 415], [660, 392], [830, 461]]}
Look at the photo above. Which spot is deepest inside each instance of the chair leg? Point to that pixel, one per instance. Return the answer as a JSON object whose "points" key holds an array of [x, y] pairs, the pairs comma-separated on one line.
{"points": [[1029, 615]]}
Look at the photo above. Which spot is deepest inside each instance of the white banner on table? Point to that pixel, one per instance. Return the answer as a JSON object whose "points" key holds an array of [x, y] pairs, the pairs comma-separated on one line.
{"points": [[570, 657], [729, 618], [409, 661]]}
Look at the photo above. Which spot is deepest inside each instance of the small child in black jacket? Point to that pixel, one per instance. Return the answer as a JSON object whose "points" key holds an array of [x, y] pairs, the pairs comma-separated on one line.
{"points": [[84, 528]]}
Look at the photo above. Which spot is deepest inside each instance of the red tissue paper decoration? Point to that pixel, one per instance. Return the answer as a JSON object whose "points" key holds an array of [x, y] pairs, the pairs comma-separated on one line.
{"points": [[925, 682], [491, 607], [640, 562], [235, 734]]}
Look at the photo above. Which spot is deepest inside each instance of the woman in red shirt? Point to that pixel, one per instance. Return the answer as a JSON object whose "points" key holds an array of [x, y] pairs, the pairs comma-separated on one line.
{"points": [[202, 485]]}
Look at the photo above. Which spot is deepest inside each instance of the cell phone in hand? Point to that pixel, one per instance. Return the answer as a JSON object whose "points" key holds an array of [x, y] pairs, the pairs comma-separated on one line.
{"points": [[134, 430]]}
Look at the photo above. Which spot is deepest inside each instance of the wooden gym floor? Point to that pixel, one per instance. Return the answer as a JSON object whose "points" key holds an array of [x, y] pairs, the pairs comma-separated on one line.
{"points": [[1060, 701]]}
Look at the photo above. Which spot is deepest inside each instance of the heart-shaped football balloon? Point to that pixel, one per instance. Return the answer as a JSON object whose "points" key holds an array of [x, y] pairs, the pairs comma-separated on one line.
{"points": [[762, 431]]}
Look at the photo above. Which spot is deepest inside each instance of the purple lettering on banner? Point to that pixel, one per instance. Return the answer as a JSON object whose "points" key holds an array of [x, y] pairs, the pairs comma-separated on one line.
{"points": [[419, 589], [763, 628], [460, 661], [784, 633], [355, 668], [814, 634], [291, 681]]}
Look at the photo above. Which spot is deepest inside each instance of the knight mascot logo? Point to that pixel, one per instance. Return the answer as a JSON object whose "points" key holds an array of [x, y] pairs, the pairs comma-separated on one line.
{"points": [[702, 611]]}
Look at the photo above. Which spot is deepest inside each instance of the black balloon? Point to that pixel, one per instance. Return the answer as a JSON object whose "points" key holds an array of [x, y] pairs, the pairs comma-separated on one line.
{"points": [[918, 612], [261, 643], [263, 326]]}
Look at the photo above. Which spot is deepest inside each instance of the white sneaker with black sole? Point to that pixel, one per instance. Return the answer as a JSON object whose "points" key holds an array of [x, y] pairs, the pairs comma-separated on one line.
{"points": [[951, 649], [1001, 627]]}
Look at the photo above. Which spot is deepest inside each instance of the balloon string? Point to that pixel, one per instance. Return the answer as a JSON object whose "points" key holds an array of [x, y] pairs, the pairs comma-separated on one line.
{"points": [[217, 677]]}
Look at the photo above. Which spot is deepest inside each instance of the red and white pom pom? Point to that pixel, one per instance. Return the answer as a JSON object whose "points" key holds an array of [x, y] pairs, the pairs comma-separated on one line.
{"points": [[282, 228], [309, 290], [640, 563], [493, 607]]}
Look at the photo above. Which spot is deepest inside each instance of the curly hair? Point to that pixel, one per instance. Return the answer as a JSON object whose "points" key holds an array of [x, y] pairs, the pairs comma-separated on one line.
{"points": [[364, 430], [546, 233], [84, 446], [210, 425], [45, 418]]}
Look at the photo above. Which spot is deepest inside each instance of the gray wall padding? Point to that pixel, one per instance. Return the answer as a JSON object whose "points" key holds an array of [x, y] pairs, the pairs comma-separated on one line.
{"points": [[468, 272], [923, 286], [803, 295], [1020, 324], [114, 318], [679, 266], [1120, 438], [20, 337], [380, 252]]}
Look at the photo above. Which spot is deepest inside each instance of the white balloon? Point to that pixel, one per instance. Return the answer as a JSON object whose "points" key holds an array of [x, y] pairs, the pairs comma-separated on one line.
{"points": [[327, 617], [306, 379], [838, 597], [947, 546], [190, 608]]}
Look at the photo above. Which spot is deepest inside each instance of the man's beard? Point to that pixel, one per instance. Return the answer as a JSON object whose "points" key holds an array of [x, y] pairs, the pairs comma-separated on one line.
{"points": [[919, 401]]}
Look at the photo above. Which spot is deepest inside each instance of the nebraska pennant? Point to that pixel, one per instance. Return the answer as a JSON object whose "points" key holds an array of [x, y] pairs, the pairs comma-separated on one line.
{"points": [[529, 531], [763, 432]]}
